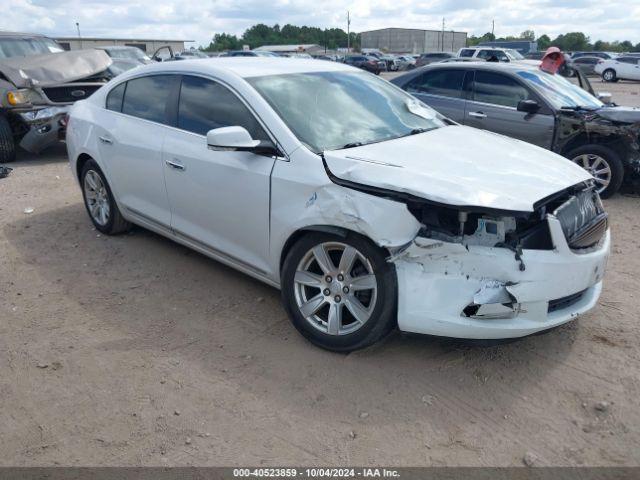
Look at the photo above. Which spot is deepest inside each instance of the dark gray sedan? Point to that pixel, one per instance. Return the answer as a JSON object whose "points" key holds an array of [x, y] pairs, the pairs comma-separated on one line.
{"points": [[523, 102]]}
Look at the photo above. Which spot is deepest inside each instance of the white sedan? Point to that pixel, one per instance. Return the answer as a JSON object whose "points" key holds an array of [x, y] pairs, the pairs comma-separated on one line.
{"points": [[368, 209], [626, 67]]}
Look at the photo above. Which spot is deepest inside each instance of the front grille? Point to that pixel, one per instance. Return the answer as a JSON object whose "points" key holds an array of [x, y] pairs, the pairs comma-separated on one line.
{"points": [[70, 93], [564, 302], [583, 219]]}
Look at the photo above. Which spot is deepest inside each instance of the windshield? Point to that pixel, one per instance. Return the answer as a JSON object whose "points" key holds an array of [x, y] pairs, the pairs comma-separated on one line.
{"points": [[334, 110], [514, 54], [24, 47], [560, 91], [128, 54]]}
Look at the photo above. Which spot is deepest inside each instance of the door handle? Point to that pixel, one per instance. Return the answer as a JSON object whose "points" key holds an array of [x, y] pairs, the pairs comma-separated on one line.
{"points": [[106, 140], [477, 115], [175, 166]]}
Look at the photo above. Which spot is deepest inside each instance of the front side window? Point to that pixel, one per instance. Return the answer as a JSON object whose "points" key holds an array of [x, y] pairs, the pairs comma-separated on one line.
{"points": [[447, 83], [498, 89], [147, 97], [467, 52], [334, 110], [205, 105], [115, 97], [559, 91]]}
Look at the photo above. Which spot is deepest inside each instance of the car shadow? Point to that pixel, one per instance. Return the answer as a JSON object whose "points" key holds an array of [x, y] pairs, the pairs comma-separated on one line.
{"points": [[181, 308]]}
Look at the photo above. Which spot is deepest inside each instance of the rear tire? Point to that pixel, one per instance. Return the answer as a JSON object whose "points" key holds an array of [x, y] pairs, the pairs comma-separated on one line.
{"points": [[99, 201], [7, 143], [601, 158], [609, 75], [346, 300]]}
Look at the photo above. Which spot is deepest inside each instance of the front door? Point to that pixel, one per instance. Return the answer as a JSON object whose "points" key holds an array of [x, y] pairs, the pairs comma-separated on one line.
{"points": [[219, 199], [493, 106]]}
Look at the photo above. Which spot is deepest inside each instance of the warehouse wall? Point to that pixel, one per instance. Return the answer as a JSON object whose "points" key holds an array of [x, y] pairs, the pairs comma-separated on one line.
{"points": [[404, 40], [149, 46]]}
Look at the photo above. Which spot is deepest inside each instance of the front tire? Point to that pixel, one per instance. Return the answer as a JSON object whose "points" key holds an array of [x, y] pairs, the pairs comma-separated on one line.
{"points": [[7, 143], [99, 202], [609, 75], [603, 163], [339, 292]]}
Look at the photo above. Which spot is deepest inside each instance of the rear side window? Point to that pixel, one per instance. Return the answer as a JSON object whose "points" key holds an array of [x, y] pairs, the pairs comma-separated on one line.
{"points": [[114, 98], [447, 83], [147, 97], [498, 89], [467, 52], [205, 105]]}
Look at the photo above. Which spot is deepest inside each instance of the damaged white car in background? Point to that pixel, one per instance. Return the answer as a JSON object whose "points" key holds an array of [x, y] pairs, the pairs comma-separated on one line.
{"points": [[365, 207]]}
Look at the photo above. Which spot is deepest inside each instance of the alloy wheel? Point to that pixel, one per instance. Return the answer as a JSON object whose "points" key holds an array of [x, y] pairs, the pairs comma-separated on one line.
{"points": [[598, 167], [335, 288], [97, 198]]}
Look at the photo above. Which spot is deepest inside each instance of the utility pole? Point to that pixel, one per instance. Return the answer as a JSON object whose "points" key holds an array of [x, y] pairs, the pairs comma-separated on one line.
{"points": [[79, 36], [493, 26], [348, 31], [442, 43]]}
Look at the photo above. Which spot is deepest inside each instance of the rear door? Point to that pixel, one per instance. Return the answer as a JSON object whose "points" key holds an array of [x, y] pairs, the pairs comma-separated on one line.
{"points": [[441, 89], [493, 106], [131, 140]]}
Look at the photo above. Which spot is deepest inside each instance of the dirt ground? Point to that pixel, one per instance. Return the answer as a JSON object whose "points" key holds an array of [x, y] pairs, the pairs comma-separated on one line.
{"points": [[132, 350]]}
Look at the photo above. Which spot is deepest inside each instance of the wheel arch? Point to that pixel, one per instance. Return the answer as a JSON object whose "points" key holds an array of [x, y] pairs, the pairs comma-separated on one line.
{"points": [[81, 161], [301, 232], [614, 142]]}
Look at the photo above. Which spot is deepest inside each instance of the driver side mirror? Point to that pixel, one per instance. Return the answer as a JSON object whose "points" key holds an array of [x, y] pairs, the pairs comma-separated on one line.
{"points": [[231, 138], [604, 97], [528, 106]]}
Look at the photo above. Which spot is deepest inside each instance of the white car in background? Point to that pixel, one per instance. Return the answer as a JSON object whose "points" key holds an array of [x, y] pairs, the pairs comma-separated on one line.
{"points": [[625, 67], [368, 209]]}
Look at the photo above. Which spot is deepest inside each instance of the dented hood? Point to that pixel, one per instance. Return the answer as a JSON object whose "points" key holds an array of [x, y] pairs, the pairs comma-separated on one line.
{"points": [[459, 166], [54, 68], [620, 114]]}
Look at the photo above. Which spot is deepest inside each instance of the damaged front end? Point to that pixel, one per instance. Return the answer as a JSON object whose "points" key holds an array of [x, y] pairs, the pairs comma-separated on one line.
{"points": [[36, 92], [614, 127], [496, 274]]}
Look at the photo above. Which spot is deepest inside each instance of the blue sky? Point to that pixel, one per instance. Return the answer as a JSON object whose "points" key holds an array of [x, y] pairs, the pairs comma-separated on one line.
{"points": [[200, 19]]}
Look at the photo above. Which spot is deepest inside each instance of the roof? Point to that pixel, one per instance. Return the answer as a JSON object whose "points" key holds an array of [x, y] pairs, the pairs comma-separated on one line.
{"points": [[250, 66], [126, 39], [409, 30], [510, 66], [288, 48], [19, 34]]}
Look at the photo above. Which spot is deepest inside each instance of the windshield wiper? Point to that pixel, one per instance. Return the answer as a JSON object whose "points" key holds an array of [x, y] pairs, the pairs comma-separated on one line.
{"points": [[352, 145], [416, 131]]}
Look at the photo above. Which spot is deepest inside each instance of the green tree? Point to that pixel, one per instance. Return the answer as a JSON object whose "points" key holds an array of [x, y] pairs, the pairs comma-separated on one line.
{"points": [[544, 42], [528, 35], [222, 42]]}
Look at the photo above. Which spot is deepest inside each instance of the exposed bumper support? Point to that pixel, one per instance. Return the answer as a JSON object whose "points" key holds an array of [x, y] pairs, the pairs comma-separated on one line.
{"points": [[438, 280]]}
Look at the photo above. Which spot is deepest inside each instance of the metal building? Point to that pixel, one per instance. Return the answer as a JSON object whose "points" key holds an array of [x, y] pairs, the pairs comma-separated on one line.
{"points": [[410, 40], [146, 45]]}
